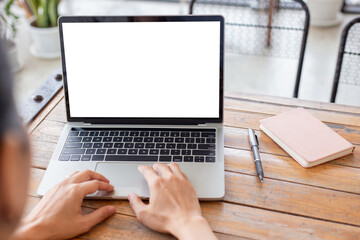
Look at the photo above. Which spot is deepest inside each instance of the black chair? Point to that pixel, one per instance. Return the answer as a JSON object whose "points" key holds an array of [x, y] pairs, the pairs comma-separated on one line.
{"points": [[348, 61], [273, 28], [351, 6]]}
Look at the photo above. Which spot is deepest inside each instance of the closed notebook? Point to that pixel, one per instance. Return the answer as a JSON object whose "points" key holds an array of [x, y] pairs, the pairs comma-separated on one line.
{"points": [[305, 138]]}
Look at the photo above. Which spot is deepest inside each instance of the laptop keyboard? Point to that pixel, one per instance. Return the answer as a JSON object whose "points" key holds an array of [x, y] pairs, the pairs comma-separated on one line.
{"points": [[143, 145]]}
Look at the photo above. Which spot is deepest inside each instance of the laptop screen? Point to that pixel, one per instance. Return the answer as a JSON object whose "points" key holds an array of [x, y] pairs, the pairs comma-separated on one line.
{"points": [[142, 69]]}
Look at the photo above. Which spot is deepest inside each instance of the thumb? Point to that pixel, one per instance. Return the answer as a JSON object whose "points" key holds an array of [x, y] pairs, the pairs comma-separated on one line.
{"points": [[99, 215], [136, 203]]}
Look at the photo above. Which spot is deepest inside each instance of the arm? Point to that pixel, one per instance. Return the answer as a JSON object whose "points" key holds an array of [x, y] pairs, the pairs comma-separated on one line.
{"points": [[173, 206], [58, 215]]}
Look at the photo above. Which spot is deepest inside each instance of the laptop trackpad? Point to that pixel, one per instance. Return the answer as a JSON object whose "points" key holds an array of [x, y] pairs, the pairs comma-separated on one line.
{"points": [[125, 178]]}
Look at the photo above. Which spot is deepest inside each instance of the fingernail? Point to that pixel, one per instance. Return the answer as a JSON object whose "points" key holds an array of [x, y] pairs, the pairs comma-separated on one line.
{"points": [[111, 210]]}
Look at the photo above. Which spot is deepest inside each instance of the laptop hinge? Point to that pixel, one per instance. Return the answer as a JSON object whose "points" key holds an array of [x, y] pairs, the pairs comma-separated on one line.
{"points": [[202, 125], [86, 124]]}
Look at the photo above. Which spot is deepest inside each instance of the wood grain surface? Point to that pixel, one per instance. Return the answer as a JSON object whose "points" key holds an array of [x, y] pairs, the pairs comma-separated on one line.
{"points": [[322, 202]]}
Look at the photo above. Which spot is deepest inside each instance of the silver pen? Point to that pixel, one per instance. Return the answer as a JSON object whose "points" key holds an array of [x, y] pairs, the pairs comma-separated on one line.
{"points": [[254, 143]]}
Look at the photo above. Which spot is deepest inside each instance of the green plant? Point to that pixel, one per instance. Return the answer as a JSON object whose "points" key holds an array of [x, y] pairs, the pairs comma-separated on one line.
{"points": [[45, 12], [8, 22]]}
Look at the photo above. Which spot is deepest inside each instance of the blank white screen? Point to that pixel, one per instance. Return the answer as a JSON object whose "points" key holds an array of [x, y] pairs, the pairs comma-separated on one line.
{"points": [[143, 69]]}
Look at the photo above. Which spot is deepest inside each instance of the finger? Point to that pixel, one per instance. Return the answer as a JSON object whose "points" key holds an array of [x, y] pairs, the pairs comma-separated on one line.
{"points": [[97, 216], [163, 170], [136, 203], [94, 185], [149, 173], [87, 175], [176, 170], [74, 173]]}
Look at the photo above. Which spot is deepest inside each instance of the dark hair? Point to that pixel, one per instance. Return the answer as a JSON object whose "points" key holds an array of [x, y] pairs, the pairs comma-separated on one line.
{"points": [[8, 116]]}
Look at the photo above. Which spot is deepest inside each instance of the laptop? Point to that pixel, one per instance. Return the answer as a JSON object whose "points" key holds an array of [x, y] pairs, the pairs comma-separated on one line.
{"points": [[141, 90]]}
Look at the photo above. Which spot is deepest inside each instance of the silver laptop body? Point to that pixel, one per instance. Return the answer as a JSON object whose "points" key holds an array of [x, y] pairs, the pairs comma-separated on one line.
{"points": [[140, 90]]}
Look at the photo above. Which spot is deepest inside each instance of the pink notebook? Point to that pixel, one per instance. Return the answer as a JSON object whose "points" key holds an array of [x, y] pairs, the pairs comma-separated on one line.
{"points": [[305, 138]]}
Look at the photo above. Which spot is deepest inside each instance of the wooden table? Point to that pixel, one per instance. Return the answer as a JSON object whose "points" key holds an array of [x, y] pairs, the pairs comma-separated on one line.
{"points": [[293, 202]]}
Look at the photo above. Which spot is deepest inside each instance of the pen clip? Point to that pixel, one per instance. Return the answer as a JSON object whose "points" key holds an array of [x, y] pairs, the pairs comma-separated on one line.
{"points": [[257, 141]]}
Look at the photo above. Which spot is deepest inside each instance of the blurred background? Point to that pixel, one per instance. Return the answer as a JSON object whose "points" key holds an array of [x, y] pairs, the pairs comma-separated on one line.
{"points": [[266, 51]]}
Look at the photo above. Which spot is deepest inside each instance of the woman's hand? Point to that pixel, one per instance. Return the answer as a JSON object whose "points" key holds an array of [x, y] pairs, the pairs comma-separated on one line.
{"points": [[58, 215], [173, 205]]}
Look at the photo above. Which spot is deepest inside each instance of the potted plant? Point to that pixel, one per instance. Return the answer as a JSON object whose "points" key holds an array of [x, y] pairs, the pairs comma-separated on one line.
{"points": [[43, 28], [8, 31], [325, 13]]}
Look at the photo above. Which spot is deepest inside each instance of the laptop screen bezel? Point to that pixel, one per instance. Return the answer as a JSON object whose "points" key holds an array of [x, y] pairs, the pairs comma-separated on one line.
{"points": [[167, 121]]}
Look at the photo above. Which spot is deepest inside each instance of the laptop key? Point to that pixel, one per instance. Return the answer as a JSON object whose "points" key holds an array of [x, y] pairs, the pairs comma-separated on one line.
{"points": [[104, 134], [127, 139], [164, 152], [179, 140], [111, 151], [191, 146], [185, 134], [154, 151], [108, 145], [144, 151], [133, 151], [165, 159], [73, 145], [159, 139], [101, 151], [124, 134], [73, 151], [200, 140], [171, 145], [85, 157], [97, 139], [188, 158], [75, 158], [138, 139], [150, 145], [199, 159], [154, 134], [122, 151], [139, 145], [204, 152], [87, 145], [210, 140], [64, 157], [87, 139], [74, 139], [206, 146], [189, 140], [93, 134], [144, 134], [129, 145], [181, 146], [148, 139], [177, 158], [164, 134], [74, 133], [117, 139], [130, 158], [84, 134], [118, 145], [99, 157], [186, 152], [210, 159], [114, 134], [134, 134], [195, 134], [90, 151], [208, 134], [175, 152], [169, 140], [175, 134], [160, 145], [98, 145], [107, 139]]}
